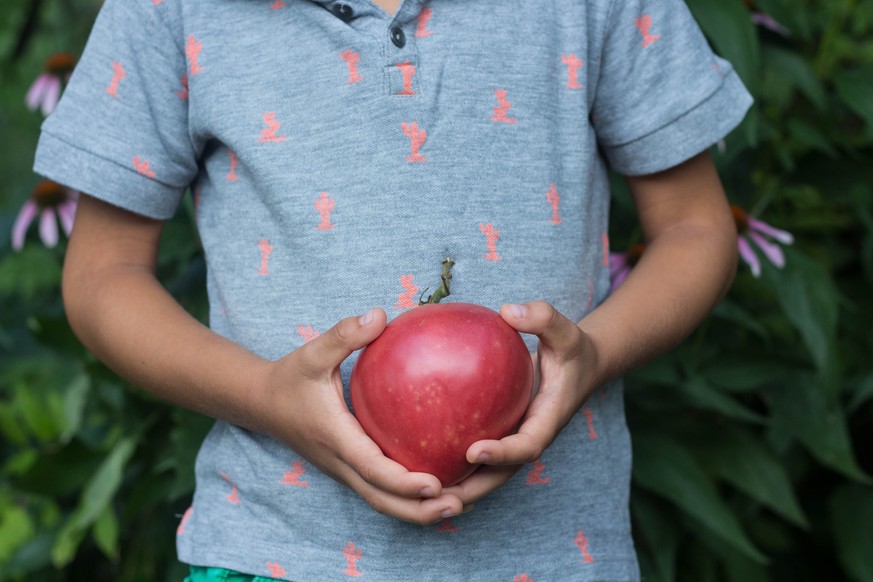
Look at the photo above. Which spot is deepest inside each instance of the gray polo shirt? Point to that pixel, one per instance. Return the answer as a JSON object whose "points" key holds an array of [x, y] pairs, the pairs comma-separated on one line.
{"points": [[337, 155]]}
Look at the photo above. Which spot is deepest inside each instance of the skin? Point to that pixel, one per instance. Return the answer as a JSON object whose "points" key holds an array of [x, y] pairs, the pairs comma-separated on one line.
{"points": [[123, 314], [389, 6]]}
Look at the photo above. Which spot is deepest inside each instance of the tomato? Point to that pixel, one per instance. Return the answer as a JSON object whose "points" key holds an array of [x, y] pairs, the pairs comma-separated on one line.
{"points": [[439, 378]]}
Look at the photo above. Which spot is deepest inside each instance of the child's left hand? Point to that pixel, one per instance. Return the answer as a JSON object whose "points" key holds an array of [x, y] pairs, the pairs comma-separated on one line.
{"points": [[564, 376]]}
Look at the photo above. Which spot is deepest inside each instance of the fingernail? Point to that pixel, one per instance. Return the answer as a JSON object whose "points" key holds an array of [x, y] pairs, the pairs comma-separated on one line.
{"points": [[426, 492], [517, 311], [448, 513], [367, 318], [483, 458]]}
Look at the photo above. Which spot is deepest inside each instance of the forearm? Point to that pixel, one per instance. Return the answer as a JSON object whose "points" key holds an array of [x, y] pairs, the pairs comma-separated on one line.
{"points": [[680, 277], [131, 323], [688, 264]]}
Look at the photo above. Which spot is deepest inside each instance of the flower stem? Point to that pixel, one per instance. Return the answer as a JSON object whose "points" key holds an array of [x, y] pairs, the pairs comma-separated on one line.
{"points": [[443, 290]]}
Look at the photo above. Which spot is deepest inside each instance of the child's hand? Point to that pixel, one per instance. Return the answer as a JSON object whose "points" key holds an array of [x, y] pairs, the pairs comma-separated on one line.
{"points": [[305, 410], [564, 368]]}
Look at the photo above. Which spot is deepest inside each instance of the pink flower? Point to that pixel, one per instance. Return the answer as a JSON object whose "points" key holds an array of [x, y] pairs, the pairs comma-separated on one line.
{"points": [[620, 264], [52, 202], [770, 23], [46, 90], [751, 230]]}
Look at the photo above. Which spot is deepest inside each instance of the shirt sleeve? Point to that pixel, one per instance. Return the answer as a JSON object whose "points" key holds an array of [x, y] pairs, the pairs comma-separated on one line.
{"points": [[120, 132], [662, 95]]}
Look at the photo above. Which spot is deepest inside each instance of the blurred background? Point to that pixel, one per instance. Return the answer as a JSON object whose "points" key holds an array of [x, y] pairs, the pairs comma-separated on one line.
{"points": [[753, 441]]}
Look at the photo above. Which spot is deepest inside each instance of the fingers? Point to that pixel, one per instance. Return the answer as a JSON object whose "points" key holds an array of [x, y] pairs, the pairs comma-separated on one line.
{"points": [[328, 350], [544, 321], [481, 483], [545, 418], [383, 483]]}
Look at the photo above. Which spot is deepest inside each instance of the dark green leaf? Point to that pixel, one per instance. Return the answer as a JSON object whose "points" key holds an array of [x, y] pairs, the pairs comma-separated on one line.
{"points": [[703, 395], [809, 300], [729, 27], [96, 496], [665, 468], [851, 516], [800, 409], [661, 537], [742, 460], [855, 88]]}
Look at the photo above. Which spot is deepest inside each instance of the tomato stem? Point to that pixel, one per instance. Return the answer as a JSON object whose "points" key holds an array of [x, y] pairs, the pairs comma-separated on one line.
{"points": [[443, 290]]}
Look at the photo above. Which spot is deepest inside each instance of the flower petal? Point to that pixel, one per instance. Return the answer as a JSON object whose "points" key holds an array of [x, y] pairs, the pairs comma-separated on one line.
{"points": [[768, 22], [782, 236], [619, 278], [748, 255], [36, 91], [48, 227], [67, 214], [617, 262], [22, 223], [772, 250], [51, 96]]}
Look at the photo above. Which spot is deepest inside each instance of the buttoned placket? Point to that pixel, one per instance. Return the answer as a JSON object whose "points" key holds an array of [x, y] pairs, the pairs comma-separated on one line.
{"points": [[396, 36]]}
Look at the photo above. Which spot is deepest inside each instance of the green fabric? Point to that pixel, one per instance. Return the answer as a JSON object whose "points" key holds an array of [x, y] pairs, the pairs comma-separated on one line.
{"points": [[209, 574]]}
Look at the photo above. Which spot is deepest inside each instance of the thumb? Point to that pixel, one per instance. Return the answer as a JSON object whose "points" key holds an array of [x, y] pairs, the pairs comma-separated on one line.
{"points": [[328, 350], [544, 321]]}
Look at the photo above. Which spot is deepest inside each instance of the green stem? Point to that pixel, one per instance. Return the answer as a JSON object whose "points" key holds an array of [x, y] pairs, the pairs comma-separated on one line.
{"points": [[443, 290]]}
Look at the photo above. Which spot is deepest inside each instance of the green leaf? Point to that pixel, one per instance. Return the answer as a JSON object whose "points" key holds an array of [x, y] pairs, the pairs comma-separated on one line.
{"points": [[786, 71], [742, 460], [729, 27], [96, 496], [33, 270], [75, 399], [855, 88], [862, 393], [665, 468], [16, 528], [701, 394], [800, 408], [851, 515], [734, 313], [659, 534], [744, 372], [106, 533], [809, 299]]}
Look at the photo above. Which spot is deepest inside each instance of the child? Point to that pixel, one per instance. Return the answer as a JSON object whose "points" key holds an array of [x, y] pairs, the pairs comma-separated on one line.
{"points": [[338, 151]]}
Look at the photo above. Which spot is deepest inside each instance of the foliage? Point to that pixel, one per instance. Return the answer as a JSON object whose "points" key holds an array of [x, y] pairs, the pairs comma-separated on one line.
{"points": [[748, 438]]}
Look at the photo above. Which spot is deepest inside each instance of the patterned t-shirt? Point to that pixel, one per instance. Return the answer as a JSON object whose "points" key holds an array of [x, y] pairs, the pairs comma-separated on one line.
{"points": [[336, 155]]}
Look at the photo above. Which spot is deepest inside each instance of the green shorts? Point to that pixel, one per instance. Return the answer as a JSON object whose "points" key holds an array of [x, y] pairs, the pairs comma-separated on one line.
{"points": [[209, 574]]}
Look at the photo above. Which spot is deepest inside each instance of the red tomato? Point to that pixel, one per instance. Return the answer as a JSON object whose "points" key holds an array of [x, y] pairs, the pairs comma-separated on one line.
{"points": [[438, 379]]}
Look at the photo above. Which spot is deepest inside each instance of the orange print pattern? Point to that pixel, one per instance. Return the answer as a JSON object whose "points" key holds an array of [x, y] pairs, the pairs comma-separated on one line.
{"points": [[352, 555], [292, 477], [535, 475], [233, 496], [491, 237], [406, 300], [143, 167], [582, 543], [118, 73], [644, 23]]}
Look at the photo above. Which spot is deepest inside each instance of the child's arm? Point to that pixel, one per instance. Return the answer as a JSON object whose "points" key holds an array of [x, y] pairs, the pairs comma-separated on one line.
{"points": [[688, 264], [122, 313]]}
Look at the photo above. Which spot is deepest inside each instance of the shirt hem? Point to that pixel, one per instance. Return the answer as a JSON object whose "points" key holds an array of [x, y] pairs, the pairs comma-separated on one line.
{"points": [[107, 180], [688, 135]]}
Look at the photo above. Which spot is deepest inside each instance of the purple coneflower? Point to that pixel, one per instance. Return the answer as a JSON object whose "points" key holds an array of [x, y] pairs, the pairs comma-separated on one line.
{"points": [[751, 230], [52, 202], [770, 23], [620, 264], [46, 90]]}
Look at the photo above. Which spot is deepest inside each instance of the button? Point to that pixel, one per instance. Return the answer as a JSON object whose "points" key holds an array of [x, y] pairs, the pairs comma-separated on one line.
{"points": [[397, 37], [343, 11]]}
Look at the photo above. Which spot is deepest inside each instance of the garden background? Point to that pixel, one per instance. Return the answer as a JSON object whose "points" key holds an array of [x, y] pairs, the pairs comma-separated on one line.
{"points": [[752, 440]]}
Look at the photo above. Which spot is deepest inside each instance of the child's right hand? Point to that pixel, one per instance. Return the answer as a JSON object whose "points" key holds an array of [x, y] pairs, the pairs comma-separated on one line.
{"points": [[305, 409]]}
